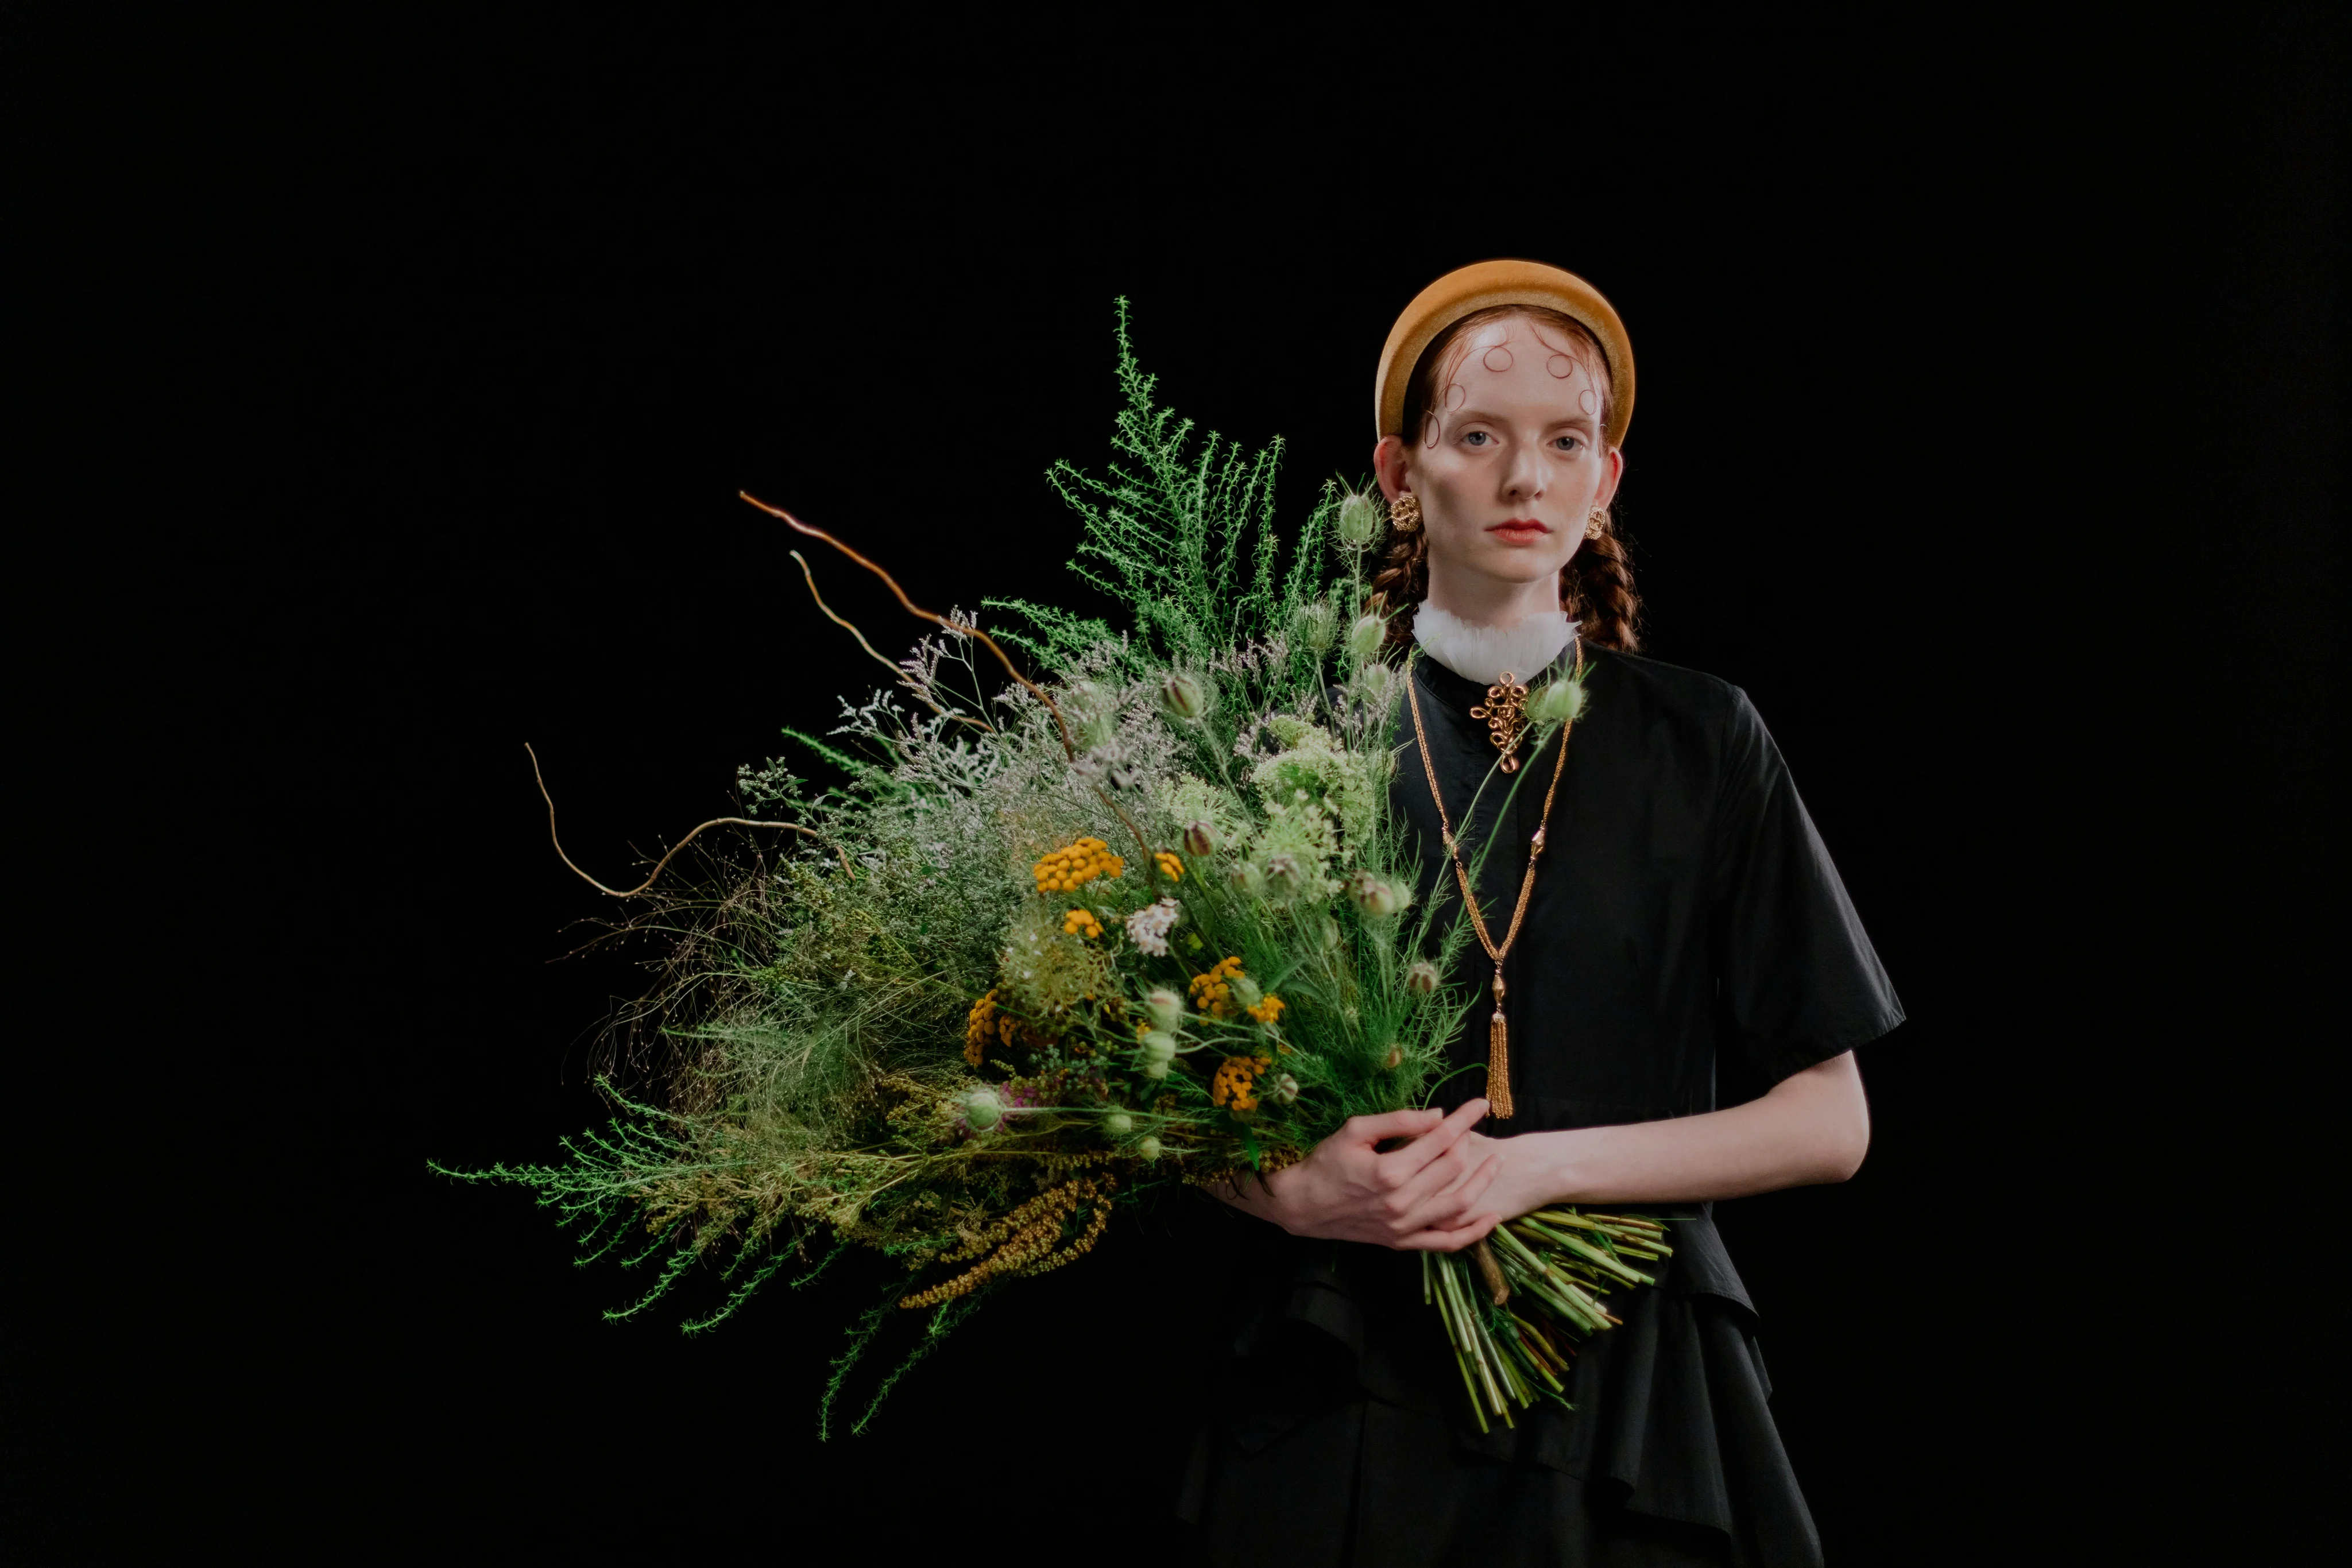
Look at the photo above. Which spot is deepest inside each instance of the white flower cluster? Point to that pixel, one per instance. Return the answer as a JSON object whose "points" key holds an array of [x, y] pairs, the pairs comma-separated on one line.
{"points": [[1147, 928]]}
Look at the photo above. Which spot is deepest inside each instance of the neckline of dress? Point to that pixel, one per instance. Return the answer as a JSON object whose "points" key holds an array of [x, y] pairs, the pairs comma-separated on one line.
{"points": [[1485, 653], [1458, 692]]}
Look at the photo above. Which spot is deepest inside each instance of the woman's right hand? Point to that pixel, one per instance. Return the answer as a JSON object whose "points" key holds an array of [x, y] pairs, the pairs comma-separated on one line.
{"points": [[1422, 1197]]}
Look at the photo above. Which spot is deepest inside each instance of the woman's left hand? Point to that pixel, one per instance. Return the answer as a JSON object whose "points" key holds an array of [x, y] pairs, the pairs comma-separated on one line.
{"points": [[1522, 1178]]}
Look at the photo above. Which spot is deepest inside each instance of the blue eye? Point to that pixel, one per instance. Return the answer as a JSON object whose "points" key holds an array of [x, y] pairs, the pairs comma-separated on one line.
{"points": [[1475, 438], [1568, 444]]}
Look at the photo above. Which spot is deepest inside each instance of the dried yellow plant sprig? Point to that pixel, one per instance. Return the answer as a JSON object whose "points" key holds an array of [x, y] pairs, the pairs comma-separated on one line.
{"points": [[1026, 1240]]}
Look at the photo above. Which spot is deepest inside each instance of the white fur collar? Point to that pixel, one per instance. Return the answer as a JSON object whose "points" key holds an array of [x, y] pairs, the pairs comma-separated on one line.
{"points": [[1482, 653]]}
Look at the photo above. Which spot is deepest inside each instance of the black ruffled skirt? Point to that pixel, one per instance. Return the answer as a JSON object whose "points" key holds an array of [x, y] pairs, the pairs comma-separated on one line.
{"points": [[1339, 1431]]}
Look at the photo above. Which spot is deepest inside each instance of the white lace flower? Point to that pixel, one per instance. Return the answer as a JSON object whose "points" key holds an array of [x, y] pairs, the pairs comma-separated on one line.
{"points": [[1147, 928]]}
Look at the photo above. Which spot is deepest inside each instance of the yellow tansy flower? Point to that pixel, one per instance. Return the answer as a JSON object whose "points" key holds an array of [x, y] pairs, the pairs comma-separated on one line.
{"points": [[1170, 867], [1214, 993], [1070, 868], [1235, 1082], [1082, 923], [978, 1025]]}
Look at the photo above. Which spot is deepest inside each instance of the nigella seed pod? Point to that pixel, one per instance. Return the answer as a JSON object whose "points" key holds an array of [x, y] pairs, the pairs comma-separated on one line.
{"points": [[1283, 875], [982, 1110], [1200, 838], [1316, 625], [1365, 637], [1359, 519], [1562, 702], [1167, 1007], [1159, 1050], [1148, 1147], [1421, 979], [1376, 897], [1284, 1089], [1246, 993], [1395, 1058], [1118, 1124], [1183, 697]]}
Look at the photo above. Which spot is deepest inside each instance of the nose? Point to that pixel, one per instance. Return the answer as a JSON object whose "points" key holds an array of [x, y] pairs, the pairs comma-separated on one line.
{"points": [[1524, 479]]}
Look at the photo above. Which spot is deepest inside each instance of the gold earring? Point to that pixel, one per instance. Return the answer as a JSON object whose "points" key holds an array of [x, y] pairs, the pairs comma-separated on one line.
{"points": [[1596, 522], [1404, 513]]}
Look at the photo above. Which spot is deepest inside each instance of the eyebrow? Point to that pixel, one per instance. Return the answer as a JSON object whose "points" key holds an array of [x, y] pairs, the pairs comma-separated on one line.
{"points": [[1581, 421]]}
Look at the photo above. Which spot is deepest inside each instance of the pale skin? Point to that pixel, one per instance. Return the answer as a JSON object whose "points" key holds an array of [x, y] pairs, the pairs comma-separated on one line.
{"points": [[1506, 471]]}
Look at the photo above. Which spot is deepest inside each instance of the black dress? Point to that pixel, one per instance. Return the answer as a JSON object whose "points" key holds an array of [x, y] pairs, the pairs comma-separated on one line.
{"points": [[1686, 921]]}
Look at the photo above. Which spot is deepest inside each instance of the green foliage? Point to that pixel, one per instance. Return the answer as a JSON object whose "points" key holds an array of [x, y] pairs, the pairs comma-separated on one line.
{"points": [[824, 1014], [1181, 535]]}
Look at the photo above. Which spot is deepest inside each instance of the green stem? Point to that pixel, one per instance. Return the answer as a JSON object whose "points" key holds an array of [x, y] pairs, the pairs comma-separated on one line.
{"points": [[1591, 1254], [1454, 1340], [1544, 1281], [1490, 1363], [1451, 1278], [1532, 1345]]}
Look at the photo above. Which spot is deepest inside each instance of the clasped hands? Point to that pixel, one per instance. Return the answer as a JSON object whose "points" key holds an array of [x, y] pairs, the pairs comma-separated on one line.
{"points": [[1441, 1192]]}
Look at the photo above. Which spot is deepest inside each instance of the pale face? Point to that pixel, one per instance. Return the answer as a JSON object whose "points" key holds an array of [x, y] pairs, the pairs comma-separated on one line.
{"points": [[1508, 467]]}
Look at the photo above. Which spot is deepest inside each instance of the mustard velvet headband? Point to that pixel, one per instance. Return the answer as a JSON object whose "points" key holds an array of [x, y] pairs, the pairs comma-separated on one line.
{"points": [[1487, 283]]}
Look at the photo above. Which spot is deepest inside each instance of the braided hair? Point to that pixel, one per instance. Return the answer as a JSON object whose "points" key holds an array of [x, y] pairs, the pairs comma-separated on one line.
{"points": [[1596, 586]]}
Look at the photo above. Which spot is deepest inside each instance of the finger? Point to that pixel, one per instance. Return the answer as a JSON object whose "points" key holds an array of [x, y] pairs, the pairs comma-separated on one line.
{"points": [[1451, 1241], [1455, 1206], [1369, 1130], [1440, 1175], [1398, 1165]]}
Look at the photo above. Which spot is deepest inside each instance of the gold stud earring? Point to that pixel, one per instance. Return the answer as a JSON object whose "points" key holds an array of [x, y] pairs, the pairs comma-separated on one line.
{"points": [[1404, 513], [1596, 522]]}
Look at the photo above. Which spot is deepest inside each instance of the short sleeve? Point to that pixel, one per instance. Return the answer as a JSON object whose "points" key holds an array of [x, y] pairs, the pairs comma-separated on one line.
{"points": [[1798, 980]]}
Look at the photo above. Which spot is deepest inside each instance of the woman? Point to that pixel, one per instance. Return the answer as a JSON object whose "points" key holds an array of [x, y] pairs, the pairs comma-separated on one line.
{"points": [[1657, 912]]}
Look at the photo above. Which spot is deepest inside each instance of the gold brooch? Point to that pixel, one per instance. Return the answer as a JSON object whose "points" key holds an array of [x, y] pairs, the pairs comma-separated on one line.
{"points": [[1505, 712]]}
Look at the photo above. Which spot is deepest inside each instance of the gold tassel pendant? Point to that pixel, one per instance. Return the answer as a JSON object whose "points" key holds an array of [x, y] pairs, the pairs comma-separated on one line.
{"points": [[1503, 721], [1498, 1059]]}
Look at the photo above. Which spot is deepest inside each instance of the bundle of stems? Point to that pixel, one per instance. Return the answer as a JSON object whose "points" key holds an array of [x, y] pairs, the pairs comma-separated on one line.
{"points": [[1515, 1305]]}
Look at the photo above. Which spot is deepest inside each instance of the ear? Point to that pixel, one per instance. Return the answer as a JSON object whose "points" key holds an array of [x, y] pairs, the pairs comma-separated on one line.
{"points": [[1388, 462], [1615, 471]]}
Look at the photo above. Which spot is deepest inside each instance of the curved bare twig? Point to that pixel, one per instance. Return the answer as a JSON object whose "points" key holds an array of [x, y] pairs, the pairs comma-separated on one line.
{"points": [[632, 893], [904, 678], [837, 620], [1069, 746]]}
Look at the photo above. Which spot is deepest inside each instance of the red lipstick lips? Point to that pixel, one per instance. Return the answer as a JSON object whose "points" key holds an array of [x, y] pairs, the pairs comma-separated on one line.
{"points": [[1519, 530]]}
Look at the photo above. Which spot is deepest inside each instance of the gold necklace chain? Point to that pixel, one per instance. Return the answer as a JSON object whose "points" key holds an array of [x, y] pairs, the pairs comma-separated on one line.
{"points": [[1498, 1039]]}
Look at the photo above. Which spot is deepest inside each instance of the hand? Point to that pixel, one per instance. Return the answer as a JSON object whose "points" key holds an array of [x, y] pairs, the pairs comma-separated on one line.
{"points": [[1525, 1174], [1429, 1196]]}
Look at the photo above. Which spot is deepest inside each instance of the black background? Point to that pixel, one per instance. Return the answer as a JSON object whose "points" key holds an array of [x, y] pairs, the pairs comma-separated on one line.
{"points": [[1988, 435]]}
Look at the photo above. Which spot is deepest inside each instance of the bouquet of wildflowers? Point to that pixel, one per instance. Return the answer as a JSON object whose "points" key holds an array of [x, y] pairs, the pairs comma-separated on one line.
{"points": [[1050, 945]]}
